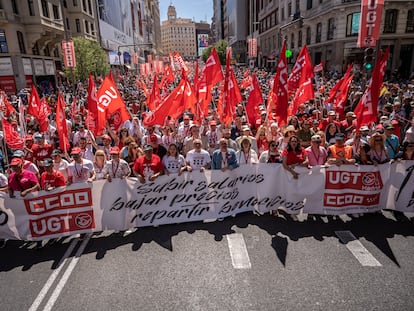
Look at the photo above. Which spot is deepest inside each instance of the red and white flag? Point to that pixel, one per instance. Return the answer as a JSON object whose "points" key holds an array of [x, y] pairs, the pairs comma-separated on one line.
{"points": [[366, 110], [370, 22], [342, 96], [61, 124], [254, 100], [297, 70], [110, 104], [180, 62], [280, 88], [212, 72], [12, 138], [319, 67]]}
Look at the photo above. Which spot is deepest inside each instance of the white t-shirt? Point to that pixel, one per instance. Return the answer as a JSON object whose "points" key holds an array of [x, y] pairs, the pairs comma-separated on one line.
{"points": [[80, 172], [3, 180], [117, 169], [62, 167], [172, 164], [198, 160]]}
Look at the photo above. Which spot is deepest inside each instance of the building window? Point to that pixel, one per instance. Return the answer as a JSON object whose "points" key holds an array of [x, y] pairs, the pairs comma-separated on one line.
{"points": [[292, 41], [331, 28], [15, 8], [3, 42], [35, 49], [78, 28], [410, 21], [277, 16], [75, 2], [308, 36], [65, 5], [90, 6], [283, 14], [352, 24], [45, 8], [309, 4], [20, 40], [300, 38], [56, 12], [31, 7], [390, 24], [67, 24], [318, 32], [84, 8], [86, 27], [46, 51], [289, 9]]}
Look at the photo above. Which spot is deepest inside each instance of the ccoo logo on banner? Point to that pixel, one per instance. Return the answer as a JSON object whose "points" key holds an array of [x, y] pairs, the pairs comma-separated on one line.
{"points": [[68, 211], [347, 189]]}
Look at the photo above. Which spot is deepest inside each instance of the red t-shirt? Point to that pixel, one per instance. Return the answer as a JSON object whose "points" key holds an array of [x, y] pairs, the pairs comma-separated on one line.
{"points": [[56, 179], [23, 181], [42, 152], [294, 157], [146, 167]]}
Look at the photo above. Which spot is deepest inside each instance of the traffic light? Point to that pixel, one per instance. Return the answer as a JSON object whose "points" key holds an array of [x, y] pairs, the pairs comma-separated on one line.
{"points": [[369, 59]]}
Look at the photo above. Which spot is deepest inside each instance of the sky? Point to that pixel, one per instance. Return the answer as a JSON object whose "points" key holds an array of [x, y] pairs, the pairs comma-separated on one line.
{"points": [[194, 9]]}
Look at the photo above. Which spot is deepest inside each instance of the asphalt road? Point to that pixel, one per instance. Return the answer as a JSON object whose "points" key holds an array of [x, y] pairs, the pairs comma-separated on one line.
{"points": [[300, 265]]}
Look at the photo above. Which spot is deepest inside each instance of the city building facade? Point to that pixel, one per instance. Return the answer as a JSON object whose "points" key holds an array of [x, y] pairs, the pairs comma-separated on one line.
{"points": [[330, 30]]}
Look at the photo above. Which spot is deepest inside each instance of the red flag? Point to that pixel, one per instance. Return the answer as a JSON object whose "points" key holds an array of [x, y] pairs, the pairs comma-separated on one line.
{"points": [[342, 96], [337, 86], [73, 109], [171, 105], [168, 73], [212, 71], [230, 96], [280, 88], [189, 96], [44, 112], [255, 98], [367, 107], [111, 77], [298, 69], [13, 140], [195, 80], [247, 81], [61, 124], [92, 102], [204, 99], [110, 104], [319, 67], [143, 86], [34, 103], [155, 97], [305, 91]]}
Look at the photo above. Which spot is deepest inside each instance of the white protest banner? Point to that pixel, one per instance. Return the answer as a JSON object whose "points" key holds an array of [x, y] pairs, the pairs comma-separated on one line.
{"points": [[126, 203]]}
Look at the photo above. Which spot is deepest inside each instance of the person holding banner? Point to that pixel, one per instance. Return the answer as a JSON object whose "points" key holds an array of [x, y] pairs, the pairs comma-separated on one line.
{"points": [[80, 170], [339, 153], [316, 154], [198, 158], [148, 167], [21, 180], [116, 167], [224, 158], [51, 178], [247, 155], [293, 156], [174, 163]]}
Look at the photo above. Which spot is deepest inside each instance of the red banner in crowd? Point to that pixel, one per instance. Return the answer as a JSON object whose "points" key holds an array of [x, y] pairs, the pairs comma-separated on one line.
{"points": [[370, 22]]}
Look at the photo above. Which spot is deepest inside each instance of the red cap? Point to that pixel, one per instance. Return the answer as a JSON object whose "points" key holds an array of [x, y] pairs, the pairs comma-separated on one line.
{"points": [[16, 161], [213, 122], [76, 150], [106, 137], [114, 150], [13, 122], [258, 122], [28, 137], [153, 138]]}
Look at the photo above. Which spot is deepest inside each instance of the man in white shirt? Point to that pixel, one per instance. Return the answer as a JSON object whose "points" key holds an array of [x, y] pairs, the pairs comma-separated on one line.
{"points": [[80, 170], [198, 158]]}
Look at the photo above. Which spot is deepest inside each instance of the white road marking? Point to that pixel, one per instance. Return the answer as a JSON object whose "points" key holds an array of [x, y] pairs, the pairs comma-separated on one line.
{"points": [[238, 251], [53, 277], [357, 249], [66, 275]]}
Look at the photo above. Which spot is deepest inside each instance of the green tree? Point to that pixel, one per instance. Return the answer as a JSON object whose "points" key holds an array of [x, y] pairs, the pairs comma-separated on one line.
{"points": [[221, 51], [90, 58]]}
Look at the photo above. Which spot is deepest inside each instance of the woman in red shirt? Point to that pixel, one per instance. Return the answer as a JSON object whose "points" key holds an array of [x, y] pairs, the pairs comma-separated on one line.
{"points": [[294, 155]]}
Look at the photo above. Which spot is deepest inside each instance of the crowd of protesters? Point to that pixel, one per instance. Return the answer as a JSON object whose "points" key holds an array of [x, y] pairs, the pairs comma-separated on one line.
{"points": [[313, 136]]}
